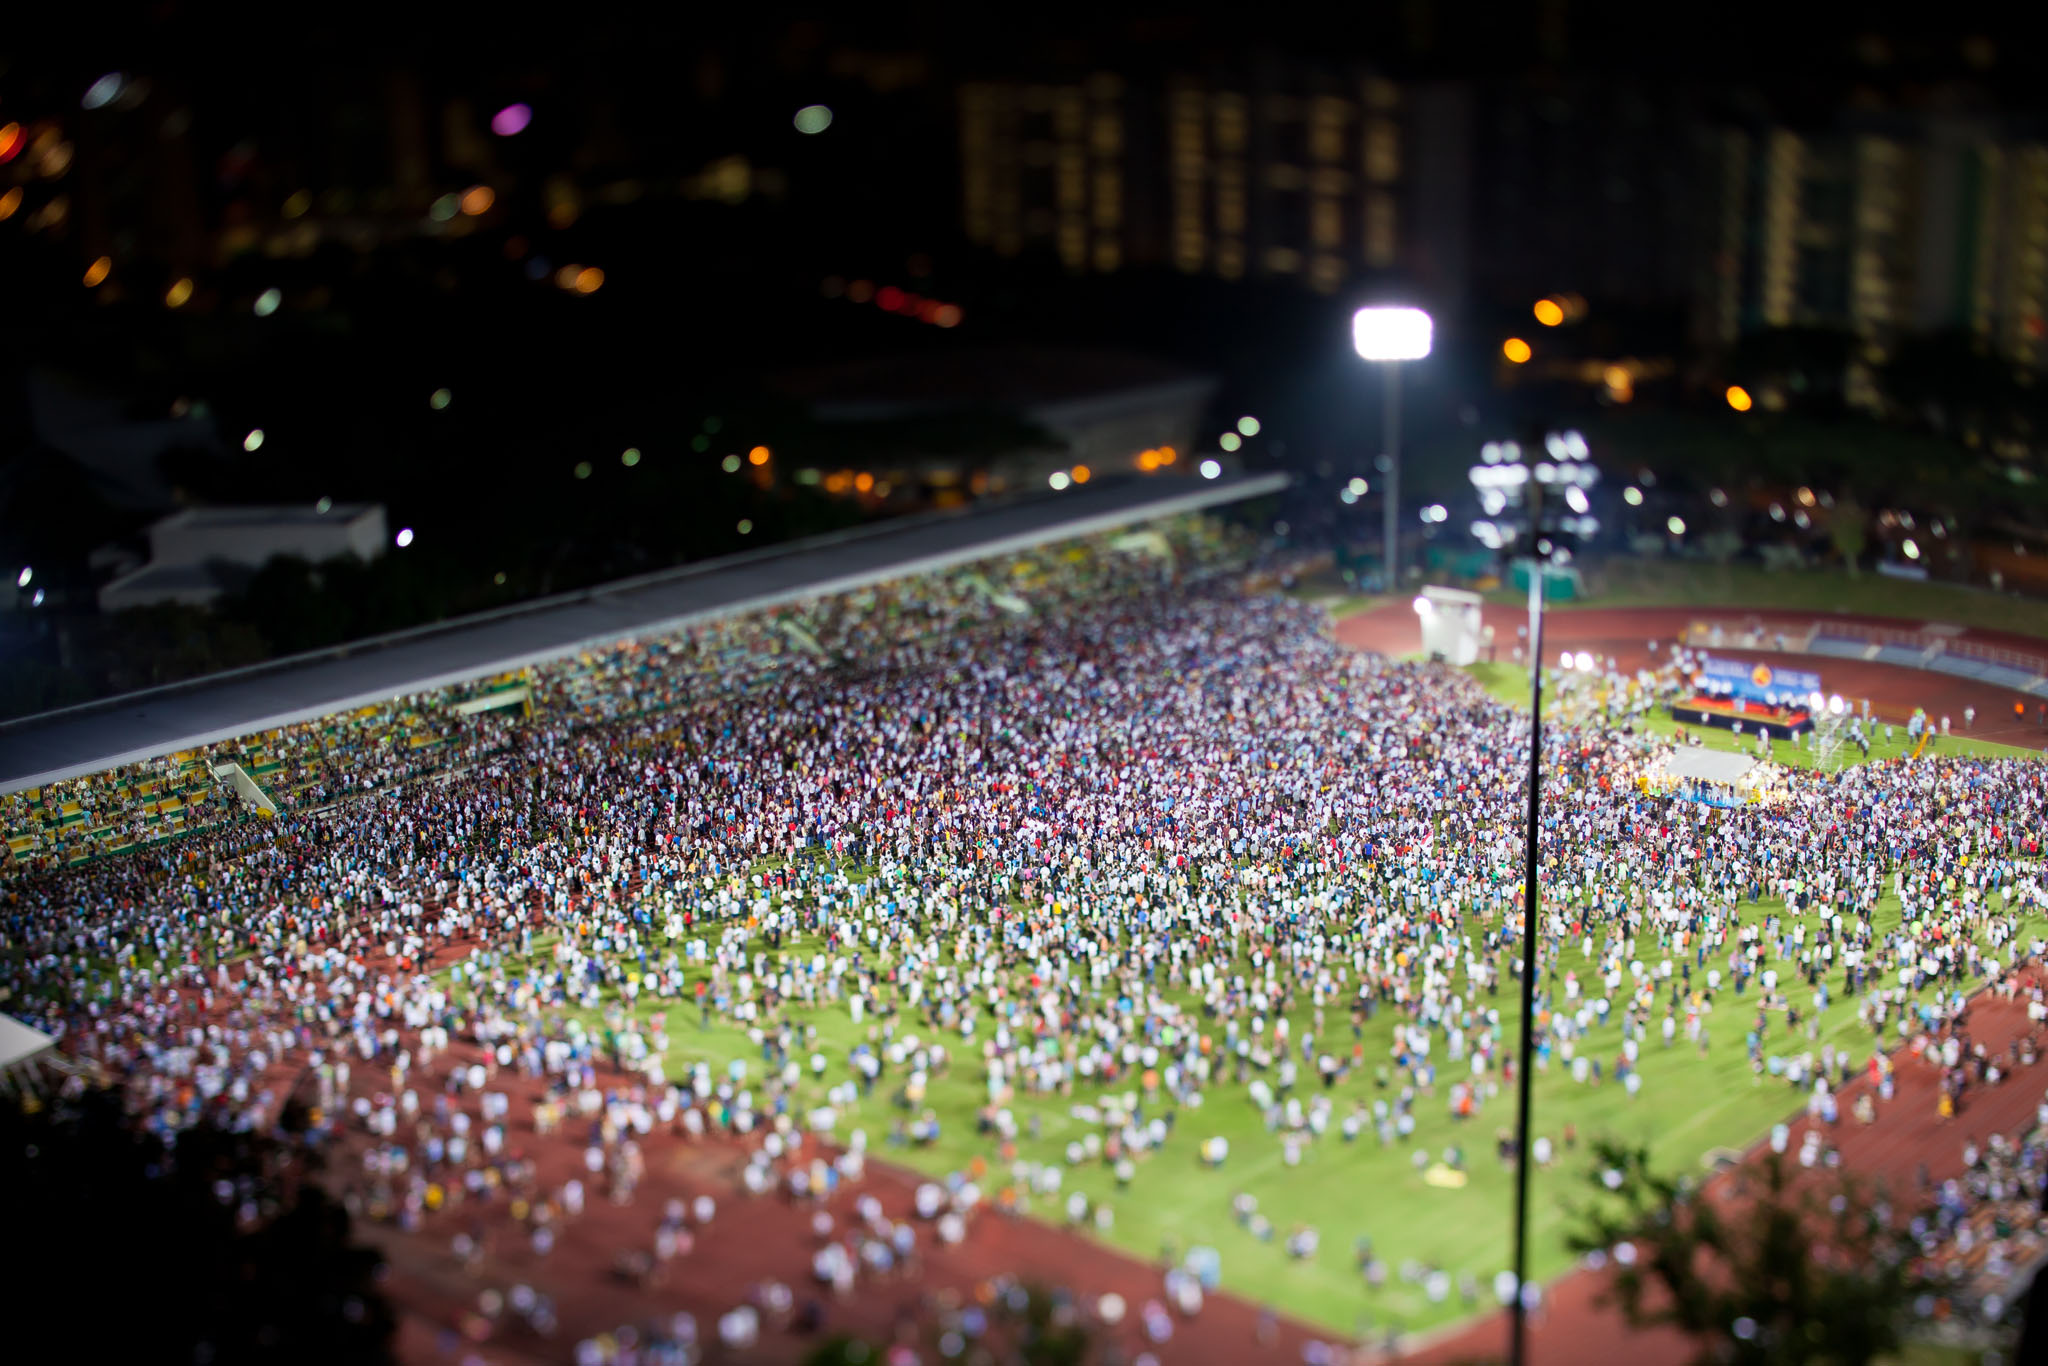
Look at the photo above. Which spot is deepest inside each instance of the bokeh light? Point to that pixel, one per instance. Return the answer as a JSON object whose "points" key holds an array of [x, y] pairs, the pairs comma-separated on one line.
{"points": [[746, 526], [12, 140], [103, 91], [582, 469], [254, 440], [863, 482], [444, 209], [813, 118], [1211, 469], [1058, 479], [630, 456], [1516, 351], [267, 302], [1633, 496], [9, 202], [1739, 399], [1248, 425], [1230, 441], [179, 293], [1676, 526], [98, 271], [477, 200], [511, 120], [589, 280], [404, 537], [947, 315], [441, 399], [1082, 474], [758, 456], [1549, 312]]}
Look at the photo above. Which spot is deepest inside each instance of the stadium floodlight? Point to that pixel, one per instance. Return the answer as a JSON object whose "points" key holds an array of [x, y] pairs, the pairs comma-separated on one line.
{"points": [[1386, 335]]}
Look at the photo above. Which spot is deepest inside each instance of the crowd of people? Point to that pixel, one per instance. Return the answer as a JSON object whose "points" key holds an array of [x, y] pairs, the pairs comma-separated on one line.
{"points": [[1153, 846]]}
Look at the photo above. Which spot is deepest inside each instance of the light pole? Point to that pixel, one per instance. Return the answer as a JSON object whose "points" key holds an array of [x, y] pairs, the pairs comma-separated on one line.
{"points": [[1518, 500], [1387, 335]]}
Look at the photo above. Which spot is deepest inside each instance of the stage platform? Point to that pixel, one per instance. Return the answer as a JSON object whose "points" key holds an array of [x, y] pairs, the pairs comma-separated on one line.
{"points": [[1778, 723]]}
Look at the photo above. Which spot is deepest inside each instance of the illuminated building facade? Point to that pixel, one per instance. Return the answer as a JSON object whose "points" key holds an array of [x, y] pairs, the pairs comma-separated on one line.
{"points": [[1880, 226], [1290, 171]]}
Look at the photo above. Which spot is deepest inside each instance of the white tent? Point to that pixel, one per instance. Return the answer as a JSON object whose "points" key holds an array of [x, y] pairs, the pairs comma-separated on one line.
{"points": [[1740, 776], [1716, 766]]}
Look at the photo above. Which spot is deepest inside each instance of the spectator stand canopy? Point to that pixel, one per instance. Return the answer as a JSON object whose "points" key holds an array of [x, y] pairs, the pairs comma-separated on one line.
{"points": [[1717, 777], [53, 746]]}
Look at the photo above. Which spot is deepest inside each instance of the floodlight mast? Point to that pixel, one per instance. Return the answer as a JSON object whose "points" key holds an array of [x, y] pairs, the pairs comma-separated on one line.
{"points": [[1386, 336], [1518, 1327]]}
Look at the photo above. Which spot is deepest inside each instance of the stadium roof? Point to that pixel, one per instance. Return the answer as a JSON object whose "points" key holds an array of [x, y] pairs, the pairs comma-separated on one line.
{"points": [[86, 739]]}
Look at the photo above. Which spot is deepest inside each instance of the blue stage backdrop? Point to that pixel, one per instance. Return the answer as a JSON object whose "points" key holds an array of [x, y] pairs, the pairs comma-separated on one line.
{"points": [[1758, 682]]}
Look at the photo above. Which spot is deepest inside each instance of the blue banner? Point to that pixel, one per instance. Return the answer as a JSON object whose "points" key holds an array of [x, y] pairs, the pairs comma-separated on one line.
{"points": [[1758, 682]]}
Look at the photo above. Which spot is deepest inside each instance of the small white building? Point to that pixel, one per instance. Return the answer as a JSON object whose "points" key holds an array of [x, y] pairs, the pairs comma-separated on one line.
{"points": [[198, 554], [1451, 625]]}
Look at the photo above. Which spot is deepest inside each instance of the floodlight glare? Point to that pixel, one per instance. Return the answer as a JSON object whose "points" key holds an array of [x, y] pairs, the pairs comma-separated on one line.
{"points": [[1390, 333]]}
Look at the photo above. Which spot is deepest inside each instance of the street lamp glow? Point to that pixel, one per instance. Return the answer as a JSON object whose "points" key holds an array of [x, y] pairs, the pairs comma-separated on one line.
{"points": [[1212, 469], [1248, 425], [1391, 333]]}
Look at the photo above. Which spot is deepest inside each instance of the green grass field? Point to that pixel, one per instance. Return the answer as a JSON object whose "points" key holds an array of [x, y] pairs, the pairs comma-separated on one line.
{"points": [[1689, 1106]]}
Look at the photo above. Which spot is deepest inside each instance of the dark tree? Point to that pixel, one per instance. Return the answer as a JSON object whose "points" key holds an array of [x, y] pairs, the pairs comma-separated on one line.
{"points": [[213, 1249], [1788, 1269]]}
